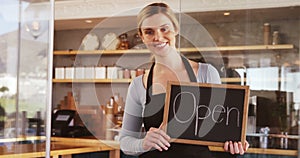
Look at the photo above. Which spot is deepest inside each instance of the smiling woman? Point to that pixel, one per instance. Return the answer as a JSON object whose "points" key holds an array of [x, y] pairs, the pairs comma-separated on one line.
{"points": [[158, 28]]}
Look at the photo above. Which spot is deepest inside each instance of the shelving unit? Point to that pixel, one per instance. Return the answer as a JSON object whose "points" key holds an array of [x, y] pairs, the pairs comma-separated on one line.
{"points": [[228, 80], [184, 50], [249, 48], [119, 80]]}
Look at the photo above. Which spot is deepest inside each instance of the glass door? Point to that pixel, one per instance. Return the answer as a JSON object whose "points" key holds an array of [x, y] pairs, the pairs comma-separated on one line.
{"points": [[26, 45]]}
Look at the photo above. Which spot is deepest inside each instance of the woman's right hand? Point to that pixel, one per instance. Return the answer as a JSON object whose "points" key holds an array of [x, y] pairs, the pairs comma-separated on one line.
{"points": [[156, 138]]}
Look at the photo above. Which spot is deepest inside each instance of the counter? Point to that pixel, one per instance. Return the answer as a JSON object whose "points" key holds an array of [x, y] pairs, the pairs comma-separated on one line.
{"points": [[68, 146], [59, 147], [115, 145], [261, 151]]}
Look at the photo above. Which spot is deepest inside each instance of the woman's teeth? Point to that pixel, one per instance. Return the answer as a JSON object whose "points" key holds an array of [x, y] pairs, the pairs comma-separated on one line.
{"points": [[160, 45]]}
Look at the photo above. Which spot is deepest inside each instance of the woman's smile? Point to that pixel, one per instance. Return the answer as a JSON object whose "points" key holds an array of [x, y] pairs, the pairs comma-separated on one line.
{"points": [[160, 44]]}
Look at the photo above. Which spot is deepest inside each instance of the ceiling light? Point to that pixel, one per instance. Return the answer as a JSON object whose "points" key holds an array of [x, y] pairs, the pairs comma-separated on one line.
{"points": [[35, 22], [88, 21], [226, 13]]}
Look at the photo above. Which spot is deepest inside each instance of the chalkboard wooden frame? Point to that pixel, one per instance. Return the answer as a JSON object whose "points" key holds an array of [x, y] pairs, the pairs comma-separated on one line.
{"points": [[238, 89]]}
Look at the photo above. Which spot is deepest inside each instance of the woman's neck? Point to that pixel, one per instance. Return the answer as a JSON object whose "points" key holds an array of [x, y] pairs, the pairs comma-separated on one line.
{"points": [[172, 61]]}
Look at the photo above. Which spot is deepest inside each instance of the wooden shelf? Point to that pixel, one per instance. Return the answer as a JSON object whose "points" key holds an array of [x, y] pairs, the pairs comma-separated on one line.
{"points": [[102, 52], [236, 79], [228, 80], [185, 50], [91, 80], [236, 48]]}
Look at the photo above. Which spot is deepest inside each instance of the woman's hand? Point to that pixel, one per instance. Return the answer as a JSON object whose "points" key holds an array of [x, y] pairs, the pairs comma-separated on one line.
{"points": [[156, 138], [236, 147]]}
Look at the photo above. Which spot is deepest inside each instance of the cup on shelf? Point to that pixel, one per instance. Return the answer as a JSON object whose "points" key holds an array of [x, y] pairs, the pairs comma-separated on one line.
{"points": [[132, 74], [59, 73], [100, 72], [120, 73], [126, 73], [89, 73], [69, 72], [79, 72], [112, 72]]}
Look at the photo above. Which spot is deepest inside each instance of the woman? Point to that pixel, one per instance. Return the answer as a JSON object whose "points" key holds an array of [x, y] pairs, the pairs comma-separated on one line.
{"points": [[158, 28]]}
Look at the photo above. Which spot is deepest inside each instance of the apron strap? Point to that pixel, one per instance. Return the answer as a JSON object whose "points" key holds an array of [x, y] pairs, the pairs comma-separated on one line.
{"points": [[188, 68], [149, 84]]}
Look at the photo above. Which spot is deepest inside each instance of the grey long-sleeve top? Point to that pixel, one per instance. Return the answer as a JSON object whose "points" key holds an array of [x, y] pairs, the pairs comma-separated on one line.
{"points": [[131, 136]]}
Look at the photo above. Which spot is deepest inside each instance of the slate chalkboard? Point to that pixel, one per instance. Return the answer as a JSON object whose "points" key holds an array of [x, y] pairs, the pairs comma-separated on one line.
{"points": [[206, 114]]}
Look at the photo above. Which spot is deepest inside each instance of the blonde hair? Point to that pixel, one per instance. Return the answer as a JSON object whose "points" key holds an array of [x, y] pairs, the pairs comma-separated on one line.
{"points": [[156, 8]]}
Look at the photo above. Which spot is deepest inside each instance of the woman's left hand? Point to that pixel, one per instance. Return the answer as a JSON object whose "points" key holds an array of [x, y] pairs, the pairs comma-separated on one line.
{"points": [[236, 147]]}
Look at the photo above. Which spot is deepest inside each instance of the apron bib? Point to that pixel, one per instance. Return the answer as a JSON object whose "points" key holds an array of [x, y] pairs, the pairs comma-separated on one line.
{"points": [[153, 117]]}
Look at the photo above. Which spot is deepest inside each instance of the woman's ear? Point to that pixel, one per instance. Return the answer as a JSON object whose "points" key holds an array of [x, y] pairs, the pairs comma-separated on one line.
{"points": [[141, 36], [176, 32]]}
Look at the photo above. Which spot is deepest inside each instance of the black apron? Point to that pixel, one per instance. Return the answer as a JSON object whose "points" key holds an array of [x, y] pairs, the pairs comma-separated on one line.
{"points": [[153, 117]]}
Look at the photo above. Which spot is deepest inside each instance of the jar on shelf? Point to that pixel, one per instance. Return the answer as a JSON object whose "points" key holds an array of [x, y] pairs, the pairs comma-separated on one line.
{"points": [[124, 44], [140, 72], [137, 42]]}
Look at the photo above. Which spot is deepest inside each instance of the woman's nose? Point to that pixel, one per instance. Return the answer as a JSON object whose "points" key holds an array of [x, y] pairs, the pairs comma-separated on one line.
{"points": [[157, 35]]}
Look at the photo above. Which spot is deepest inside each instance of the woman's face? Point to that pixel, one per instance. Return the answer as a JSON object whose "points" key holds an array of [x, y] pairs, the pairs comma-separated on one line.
{"points": [[158, 33]]}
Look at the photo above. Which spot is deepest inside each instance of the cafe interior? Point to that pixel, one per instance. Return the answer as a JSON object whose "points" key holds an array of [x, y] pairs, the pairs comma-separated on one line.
{"points": [[66, 65]]}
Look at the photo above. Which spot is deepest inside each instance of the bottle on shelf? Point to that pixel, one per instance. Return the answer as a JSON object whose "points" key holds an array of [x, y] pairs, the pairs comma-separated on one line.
{"points": [[275, 38], [267, 29], [120, 102], [109, 122]]}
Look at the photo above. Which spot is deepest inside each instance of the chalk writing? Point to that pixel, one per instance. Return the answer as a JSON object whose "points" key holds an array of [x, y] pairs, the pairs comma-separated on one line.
{"points": [[214, 113]]}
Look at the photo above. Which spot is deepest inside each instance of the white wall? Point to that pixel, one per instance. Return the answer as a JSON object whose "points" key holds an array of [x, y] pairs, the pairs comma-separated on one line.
{"points": [[76, 9]]}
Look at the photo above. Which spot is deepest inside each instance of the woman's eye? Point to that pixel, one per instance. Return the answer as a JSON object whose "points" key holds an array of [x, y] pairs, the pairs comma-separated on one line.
{"points": [[164, 29], [148, 32]]}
